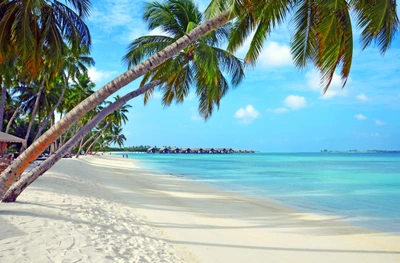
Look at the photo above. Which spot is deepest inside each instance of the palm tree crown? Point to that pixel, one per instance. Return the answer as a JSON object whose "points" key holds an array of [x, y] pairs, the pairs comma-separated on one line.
{"points": [[202, 64], [40, 31], [322, 30]]}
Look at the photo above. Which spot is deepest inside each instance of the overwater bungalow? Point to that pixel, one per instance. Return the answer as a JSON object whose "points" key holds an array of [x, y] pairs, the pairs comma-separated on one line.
{"points": [[174, 150], [208, 150], [237, 151], [151, 150], [185, 150], [230, 150], [220, 150], [164, 150], [196, 150]]}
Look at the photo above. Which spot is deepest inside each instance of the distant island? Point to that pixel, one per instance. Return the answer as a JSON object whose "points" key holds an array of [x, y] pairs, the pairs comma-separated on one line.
{"points": [[361, 151]]}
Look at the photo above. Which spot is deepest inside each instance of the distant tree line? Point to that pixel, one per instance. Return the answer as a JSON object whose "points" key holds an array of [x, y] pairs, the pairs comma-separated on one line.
{"points": [[141, 148]]}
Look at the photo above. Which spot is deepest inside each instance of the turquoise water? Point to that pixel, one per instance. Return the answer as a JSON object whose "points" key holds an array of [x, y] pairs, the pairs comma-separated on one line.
{"points": [[362, 188]]}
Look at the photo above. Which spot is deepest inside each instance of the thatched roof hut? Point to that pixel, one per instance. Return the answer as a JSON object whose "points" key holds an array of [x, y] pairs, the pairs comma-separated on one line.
{"points": [[164, 150], [208, 150], [8, 138], [220, 150], [185, 150], [151, 150], [196, 150], [174, 150]]}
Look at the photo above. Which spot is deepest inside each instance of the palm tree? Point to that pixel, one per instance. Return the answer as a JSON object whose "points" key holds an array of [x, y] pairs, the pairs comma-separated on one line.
{"points": [[75, 66], [38, 31], [8, 73], [36, 172], [202, 64], [112, 121], [117, 137], [378, 20], [119, 116]]}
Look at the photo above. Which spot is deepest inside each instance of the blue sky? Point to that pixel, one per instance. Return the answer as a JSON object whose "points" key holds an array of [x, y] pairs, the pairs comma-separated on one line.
{"points": [[277, 108]]}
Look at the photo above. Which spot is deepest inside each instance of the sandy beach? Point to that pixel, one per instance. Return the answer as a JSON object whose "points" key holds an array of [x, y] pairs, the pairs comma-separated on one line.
{"points": [[108, 209]]}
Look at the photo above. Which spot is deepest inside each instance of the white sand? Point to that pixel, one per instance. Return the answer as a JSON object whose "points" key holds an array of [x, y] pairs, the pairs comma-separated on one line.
{"points": [[100, 209]]}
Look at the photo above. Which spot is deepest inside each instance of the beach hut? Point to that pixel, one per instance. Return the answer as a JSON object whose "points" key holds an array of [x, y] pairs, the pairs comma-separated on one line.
{"points": [[8, 138], [185, 150], [151, 150], [208, 150], [174, 150], [4, 140], [164, 150], [220, 150], [196, 150]]}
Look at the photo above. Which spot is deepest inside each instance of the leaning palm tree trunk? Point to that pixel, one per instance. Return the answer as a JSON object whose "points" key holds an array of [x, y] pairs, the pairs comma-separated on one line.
{"points": [[17, 188], [11, 173], [100, 133], [3, 99], [80, 147], [86, 142], [50, 115], [12, 118], [28, 131]]}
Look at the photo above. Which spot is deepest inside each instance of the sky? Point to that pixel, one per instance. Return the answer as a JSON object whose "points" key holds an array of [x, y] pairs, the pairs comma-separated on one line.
{"points": [[277, 108]]}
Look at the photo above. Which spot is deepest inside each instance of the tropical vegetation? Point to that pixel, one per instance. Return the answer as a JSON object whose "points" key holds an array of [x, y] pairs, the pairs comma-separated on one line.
{"points": [[41, 36]]}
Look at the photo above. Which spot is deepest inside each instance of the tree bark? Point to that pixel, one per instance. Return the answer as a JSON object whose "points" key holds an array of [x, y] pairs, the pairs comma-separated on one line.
{"points": [[16, 189], [98, 137], [11, 173], [3, 99], [51, 114], [86, 142], [80, 147], [12, 119], [28, 131]]}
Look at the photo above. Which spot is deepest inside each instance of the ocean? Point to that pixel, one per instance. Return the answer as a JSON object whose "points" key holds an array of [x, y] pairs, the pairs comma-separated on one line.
{"points": [[362, 188]]}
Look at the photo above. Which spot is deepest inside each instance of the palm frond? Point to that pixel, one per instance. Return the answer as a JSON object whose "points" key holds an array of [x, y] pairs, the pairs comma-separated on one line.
{"points": [[378, 20]]}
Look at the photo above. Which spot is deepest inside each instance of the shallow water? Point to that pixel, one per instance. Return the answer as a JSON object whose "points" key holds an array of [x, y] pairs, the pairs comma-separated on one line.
{"points": [[362, 188]]}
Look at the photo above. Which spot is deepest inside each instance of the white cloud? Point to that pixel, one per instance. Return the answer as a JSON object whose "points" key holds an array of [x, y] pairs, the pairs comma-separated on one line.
{"points": [[157, 95], [335, 89], [362, 97], [136, 32], [99, 75], [360, 117], [195, 116], [247, 115], [275, 54], [112, 14], [191, 96], [278, 110], [380, 123], [295, 102]]}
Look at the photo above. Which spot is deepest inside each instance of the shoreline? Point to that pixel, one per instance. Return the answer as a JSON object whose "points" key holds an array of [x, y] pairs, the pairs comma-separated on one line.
{"points": [[385, 224], [192, 221]]}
